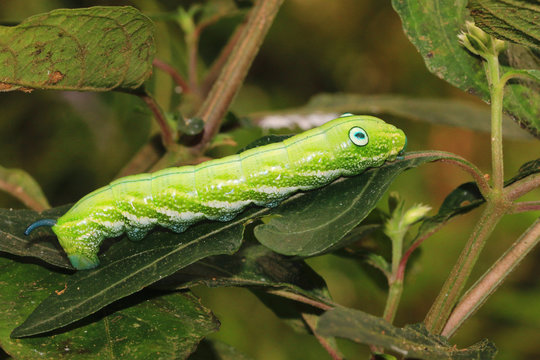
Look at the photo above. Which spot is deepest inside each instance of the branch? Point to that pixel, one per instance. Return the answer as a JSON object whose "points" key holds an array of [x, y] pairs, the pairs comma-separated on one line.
{"points": [[310, 321], [175, 75], [492, 279], [235, 70], [167, 133], [454, 284], [526, 206], [218, 64], [462, 163], [523, 186], [301, 298]]}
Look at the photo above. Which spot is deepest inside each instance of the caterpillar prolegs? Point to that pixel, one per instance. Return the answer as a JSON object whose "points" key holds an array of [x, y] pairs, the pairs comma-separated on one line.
{"points": [[176, 198]]}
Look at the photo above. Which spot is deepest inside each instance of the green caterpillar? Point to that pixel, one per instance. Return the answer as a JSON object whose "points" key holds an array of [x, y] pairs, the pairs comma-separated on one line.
{"points": [[176, 198]]}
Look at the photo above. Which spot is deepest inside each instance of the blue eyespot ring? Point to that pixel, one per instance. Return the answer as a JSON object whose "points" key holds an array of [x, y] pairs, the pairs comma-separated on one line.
{"points": [[358, 136]]}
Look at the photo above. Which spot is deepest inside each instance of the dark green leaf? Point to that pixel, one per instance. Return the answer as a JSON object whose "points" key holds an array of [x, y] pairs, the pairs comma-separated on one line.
{"points": [[252, 266], [21, 185], [92, 49], [40, 244], [516, 21], [527, 169], [139, 327], [432, 26], [319, 220], [412, 341], [128, 267]]}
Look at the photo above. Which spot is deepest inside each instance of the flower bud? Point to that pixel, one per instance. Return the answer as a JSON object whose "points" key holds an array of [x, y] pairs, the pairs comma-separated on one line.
{"points": [[479, 42], [415, 213]]}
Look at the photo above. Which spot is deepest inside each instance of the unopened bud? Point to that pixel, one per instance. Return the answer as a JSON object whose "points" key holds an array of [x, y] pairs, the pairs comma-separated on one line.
{"points": [[415, 213], [479, 42]]}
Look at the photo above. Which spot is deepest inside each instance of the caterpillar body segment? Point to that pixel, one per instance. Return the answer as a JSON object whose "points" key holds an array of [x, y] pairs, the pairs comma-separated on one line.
{"points": [[176, 198]]}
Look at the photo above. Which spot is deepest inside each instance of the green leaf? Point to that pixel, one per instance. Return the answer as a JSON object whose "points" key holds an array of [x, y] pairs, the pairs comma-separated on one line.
{"points": [[128, 267], [90, 49], [252, 266], [432, 26], [412, 341], [316, 222], [13, 241], [451, 112], [515, 21], [21, 185], [142, 326]]}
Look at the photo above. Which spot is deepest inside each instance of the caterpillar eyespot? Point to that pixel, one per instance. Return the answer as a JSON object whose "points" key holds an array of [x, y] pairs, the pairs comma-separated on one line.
{"points": [[176, 198], [358, 136]]}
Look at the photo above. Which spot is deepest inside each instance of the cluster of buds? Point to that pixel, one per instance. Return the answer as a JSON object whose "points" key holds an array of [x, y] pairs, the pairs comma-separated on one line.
{"points": [[480, 43]]}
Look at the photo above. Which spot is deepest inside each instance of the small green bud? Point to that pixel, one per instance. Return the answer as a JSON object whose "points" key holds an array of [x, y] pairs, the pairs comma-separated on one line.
{"points": [[477, 32], [479, 42], [415, 213]]}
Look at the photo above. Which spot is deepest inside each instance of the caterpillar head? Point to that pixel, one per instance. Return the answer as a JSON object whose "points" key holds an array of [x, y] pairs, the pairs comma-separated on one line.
{"points": [[365, 141]]}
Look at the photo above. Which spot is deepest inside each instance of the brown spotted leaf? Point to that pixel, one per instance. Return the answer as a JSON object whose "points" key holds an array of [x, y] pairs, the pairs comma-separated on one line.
{"points": [[92, 49]]}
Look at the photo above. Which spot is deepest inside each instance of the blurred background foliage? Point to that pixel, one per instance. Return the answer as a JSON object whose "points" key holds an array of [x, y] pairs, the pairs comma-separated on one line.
{"points": [[75, 142]]}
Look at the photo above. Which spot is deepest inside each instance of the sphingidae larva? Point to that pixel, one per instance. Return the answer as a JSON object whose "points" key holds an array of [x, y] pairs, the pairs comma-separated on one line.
{"points": [[176, 198]]}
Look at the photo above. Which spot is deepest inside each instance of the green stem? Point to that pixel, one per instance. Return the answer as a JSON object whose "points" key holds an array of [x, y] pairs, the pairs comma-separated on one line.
{"points": [[497, 92], [452, 288], [492, 279], [497, 206], [392, 302]]}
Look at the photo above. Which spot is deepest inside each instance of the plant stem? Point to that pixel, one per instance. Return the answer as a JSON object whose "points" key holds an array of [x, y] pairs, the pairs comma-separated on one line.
{"points": [[492, 279], [174, 74], [523, 186], [392, 302], [497, 206], [311, 322], [452, 288], [526, 206], [167, 133], [497, 92], [217, 65], [301, 298], [235, 70], [460, 162]]}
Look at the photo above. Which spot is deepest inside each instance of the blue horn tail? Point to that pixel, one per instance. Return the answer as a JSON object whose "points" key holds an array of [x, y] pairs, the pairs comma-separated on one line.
{"points": [[39, 223]]}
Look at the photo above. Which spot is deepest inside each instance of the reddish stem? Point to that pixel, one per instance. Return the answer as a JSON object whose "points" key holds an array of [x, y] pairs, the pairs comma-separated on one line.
{"points": [[175, 75], [235, 70], [167, 133]]}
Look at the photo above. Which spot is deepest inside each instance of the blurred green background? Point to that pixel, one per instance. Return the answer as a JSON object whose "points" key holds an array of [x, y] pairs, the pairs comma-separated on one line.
{"points": [[75, 142]]}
